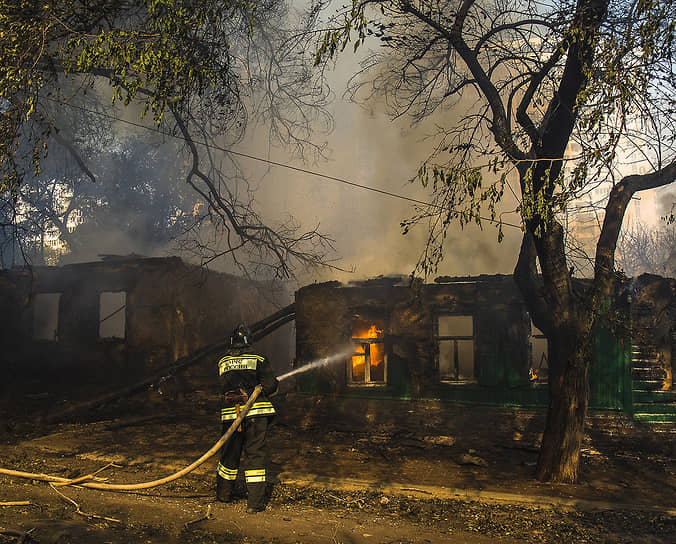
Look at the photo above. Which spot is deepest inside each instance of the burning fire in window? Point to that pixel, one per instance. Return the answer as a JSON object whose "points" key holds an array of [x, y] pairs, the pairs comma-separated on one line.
{"points": [[368, 360]]}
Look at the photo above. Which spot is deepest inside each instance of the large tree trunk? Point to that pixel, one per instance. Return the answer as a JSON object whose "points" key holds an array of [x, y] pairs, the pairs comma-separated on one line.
{"points": [[557, 311], [559, 458]]}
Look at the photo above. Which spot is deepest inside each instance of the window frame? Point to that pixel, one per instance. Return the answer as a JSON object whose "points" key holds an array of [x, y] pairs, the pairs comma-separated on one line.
{"points": [[102, 319], [55, 338], [456, 360], [367, 343]]}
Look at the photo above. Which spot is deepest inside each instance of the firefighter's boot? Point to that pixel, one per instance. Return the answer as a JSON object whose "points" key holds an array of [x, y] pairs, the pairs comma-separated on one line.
{"points": [[255, 484]]}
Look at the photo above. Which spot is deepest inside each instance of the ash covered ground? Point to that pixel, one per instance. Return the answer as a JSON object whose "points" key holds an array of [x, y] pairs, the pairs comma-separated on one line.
{"points": [[331, 483]]}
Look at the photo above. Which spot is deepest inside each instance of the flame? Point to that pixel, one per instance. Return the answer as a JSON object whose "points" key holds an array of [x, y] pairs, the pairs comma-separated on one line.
{"points": [[362, 329], [371, 354], [359, 364], [377, 355]]}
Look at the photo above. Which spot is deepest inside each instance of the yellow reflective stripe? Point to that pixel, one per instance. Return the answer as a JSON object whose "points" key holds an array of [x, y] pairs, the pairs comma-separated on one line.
{"points": [[227, 412], [262, 408], [238, 362], [265, 408], [244, 355], [227, 473], [253, 476]]}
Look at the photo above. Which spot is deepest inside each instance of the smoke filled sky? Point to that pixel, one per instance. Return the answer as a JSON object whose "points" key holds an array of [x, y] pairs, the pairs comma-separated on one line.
{"points": [[367, 148]]}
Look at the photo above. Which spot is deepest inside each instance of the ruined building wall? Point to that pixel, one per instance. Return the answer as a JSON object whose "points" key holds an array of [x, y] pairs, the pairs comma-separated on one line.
{"points": [[626, 396], [51, 319], [500, 326], [325, 313], [482, 327], [322, 325]]}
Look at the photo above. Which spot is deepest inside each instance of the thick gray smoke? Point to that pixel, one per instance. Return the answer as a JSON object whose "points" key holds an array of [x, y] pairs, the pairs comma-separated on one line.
{"points": [[367, 148]]}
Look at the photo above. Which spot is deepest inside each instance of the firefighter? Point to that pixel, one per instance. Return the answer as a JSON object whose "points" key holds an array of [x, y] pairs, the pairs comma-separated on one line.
{"points": [[240, 371]]}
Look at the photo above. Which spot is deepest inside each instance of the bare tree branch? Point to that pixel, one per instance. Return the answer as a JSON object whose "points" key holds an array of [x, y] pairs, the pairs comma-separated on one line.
{"points": [[618, 200], [74, 153], [500, 124]]}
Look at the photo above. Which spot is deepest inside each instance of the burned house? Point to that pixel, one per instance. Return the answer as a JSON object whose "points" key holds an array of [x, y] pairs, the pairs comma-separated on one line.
{"points": [[467, 340], [107, 323]]}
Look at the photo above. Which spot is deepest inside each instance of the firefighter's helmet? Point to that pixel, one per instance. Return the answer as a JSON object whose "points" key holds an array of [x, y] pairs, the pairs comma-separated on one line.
{"points": [[240, 337]]}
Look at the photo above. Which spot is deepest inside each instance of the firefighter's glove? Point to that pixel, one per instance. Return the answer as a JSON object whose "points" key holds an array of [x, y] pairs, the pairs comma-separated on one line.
{"points": [[235, 396]]}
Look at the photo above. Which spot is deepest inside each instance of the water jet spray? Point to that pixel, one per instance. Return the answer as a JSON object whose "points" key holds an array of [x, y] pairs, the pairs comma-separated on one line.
{"points": [[318, 363]]}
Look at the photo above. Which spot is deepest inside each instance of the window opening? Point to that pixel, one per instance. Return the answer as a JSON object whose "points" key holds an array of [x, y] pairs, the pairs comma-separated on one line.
{"points": [[456, 348], [46, 316], [368, 364], [112, 314], [539, 347]]}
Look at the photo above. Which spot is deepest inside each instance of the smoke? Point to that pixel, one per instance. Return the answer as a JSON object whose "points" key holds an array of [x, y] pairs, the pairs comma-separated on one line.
{"points": [[666, 202], [366, 147], [138, 204]]}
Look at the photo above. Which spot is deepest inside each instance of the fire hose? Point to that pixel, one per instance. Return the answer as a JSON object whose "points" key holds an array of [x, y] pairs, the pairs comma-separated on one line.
{"points": [[145, 485]]}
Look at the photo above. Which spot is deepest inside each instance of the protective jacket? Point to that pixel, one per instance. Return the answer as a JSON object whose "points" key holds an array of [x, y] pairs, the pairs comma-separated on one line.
{"points": [[240, 372]]}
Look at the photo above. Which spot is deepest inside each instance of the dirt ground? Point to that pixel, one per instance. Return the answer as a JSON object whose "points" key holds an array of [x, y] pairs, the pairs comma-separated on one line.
{"points": [[330, 484]]}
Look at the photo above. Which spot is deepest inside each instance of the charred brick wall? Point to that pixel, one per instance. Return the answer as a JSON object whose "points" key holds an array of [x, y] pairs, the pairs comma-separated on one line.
{"points": [[170, 310], [500, 340], [324, 315]]}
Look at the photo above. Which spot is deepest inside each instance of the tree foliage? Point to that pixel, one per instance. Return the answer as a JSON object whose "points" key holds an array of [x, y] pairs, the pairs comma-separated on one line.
{"points": [[161, 46], [190, 64]]}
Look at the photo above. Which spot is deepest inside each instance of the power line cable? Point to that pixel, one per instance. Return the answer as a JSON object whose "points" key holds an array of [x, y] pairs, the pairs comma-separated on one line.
{"points": [[268, 161]]}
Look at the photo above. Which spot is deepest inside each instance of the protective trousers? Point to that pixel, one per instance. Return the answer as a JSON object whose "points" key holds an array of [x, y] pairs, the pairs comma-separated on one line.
{"points": [[250, 442]]}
